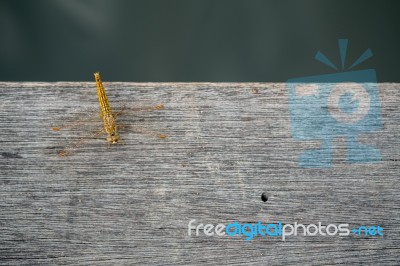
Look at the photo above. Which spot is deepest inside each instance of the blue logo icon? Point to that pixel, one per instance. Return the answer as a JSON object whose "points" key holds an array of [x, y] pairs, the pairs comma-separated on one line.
{"points": [[343, 104]]}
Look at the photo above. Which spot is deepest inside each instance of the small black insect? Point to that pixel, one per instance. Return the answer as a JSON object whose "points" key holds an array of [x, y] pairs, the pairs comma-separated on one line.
{"points": [[264, 197]]}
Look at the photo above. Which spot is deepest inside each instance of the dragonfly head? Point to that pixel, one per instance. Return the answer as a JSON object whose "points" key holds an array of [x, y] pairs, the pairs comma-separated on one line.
{"points": [[113, 138]]}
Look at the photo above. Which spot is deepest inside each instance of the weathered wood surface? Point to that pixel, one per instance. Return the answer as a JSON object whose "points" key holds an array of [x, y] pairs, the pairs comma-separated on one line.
{"points": [[227, 144]]}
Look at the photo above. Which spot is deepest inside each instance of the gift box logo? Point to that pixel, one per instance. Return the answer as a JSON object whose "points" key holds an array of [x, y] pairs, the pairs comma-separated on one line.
{"points": [[343, 104]]}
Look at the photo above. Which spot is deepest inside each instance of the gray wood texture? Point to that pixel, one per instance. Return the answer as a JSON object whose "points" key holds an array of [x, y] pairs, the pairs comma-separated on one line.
{"points": [[227, 143]]}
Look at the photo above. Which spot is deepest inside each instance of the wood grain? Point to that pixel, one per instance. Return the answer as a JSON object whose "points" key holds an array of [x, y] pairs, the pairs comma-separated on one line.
{"points": [[227, 144]]}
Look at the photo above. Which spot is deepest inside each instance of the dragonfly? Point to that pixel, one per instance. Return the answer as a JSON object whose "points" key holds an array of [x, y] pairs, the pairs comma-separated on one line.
{"points": [[110, 127]]}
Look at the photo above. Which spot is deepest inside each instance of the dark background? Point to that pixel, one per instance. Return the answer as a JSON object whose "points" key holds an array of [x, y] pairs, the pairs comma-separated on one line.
{"points": [[192, 40]]}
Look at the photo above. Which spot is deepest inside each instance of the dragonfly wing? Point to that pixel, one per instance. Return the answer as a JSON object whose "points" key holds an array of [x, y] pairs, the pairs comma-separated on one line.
{"points": [[125, 110], [86, 116], [72, 147], [125, 121], [142, 130]]}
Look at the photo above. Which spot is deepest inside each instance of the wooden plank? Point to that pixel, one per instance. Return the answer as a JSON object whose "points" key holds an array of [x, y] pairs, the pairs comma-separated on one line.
{"points": [[227, 144]]}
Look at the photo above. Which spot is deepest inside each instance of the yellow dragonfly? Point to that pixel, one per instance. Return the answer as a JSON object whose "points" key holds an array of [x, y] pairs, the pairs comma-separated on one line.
{"points": [[110, 127]]}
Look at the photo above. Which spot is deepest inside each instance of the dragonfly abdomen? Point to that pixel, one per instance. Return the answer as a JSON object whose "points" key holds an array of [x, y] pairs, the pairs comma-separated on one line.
{"points": [[109, 122]]}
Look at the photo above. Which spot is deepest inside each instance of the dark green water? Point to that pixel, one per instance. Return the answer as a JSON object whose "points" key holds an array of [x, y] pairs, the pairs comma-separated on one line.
{"points": [[188, 40]]}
